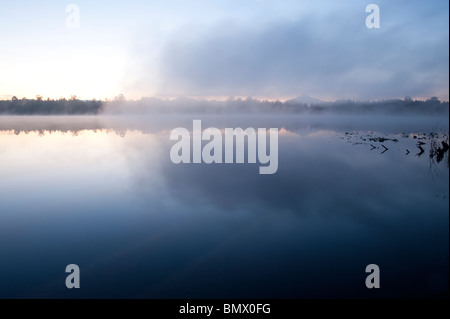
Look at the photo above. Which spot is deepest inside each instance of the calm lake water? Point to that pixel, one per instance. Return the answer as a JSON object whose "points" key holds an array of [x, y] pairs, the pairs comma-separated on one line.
{"points": [[102, 193]]}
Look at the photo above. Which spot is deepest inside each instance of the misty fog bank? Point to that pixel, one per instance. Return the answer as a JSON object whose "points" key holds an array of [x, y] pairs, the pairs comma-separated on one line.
{"points": [[156, 124], [149, 106]]}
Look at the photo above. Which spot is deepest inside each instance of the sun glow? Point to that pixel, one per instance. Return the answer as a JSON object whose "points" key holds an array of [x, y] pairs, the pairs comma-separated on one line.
{"points": [[94, 73]]}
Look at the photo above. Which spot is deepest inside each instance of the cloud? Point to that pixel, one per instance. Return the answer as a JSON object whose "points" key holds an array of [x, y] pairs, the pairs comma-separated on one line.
{"points": [[328, 55]]}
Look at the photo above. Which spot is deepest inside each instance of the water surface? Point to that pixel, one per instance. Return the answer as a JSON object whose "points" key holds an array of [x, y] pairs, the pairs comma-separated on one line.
{"points": [[102, 193]]}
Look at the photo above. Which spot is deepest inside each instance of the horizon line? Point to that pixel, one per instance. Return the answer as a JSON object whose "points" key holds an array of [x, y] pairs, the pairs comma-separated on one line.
{"points": [[122, 98]]}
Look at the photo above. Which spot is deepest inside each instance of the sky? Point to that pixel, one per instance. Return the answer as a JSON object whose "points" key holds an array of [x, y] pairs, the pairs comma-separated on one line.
{"points": [[215, 49]]}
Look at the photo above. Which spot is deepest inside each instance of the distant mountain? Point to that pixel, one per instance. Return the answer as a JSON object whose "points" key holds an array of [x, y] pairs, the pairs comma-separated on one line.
{"points": [[305, 99]]}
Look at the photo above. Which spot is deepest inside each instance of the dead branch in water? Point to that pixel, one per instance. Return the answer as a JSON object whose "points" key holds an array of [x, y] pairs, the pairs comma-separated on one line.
{"points": [[421, 150]]}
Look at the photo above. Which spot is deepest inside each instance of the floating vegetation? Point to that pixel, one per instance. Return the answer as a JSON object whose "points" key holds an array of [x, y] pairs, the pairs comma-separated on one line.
{"points": [[439, 148], [383, 139], [437, 142]]}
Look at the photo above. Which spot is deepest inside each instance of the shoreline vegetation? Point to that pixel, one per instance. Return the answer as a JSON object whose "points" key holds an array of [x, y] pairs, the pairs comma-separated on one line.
{"points": [[120, 105]]}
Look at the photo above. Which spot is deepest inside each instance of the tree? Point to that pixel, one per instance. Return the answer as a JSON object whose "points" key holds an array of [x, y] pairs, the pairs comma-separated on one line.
{"points": [[433, 100], [120, 98], [14, 98]]}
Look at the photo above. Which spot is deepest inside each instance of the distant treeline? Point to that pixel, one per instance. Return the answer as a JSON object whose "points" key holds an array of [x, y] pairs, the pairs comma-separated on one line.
{"points": [[231, 106], [393, 106], [49, 107]]}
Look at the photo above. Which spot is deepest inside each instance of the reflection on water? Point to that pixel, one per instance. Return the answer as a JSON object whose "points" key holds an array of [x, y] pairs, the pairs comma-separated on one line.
{"points": [[101, 192]]}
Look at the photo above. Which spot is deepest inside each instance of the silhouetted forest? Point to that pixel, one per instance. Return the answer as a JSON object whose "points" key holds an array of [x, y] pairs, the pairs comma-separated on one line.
{"points": [[39, 106], [119, 105]]}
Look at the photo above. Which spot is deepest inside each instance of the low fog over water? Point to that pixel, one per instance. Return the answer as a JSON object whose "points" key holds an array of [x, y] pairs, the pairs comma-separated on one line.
{"points": [[102, 192]]}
